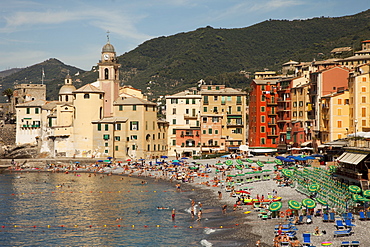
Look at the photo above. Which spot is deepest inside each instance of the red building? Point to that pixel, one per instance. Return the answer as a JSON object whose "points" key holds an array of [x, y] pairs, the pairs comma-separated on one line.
{"points": [[263, 102]]}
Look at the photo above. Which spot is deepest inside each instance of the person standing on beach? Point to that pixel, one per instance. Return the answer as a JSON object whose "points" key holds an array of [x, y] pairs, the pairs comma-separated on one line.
{"points": [[219, 195], [224, 209]]}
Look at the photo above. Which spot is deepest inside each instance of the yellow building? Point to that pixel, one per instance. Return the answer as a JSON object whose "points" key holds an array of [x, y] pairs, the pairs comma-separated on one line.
{"points": [[359, 99], [223, 118], [334, 120]]}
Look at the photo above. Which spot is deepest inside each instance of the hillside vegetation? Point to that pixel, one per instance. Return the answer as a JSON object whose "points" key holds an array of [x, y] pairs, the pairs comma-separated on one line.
{"points": [[170, 64]]}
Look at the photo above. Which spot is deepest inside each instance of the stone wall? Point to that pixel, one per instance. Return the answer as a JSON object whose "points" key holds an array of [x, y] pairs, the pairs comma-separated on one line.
{"points": [[7, 134]]}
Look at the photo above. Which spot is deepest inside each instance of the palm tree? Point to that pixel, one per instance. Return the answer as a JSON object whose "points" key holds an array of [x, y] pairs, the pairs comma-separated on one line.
{"points": [[8, 93]]}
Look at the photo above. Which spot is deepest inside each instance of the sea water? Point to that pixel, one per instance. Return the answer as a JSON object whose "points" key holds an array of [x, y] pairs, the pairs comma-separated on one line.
{"points": [[55, 209]]}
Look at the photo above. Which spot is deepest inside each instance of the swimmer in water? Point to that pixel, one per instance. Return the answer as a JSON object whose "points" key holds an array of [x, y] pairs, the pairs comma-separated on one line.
{"points": [[173, 214]]}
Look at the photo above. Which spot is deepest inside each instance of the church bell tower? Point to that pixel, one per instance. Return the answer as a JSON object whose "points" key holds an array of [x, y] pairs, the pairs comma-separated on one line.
{"points": [[109, 77]]}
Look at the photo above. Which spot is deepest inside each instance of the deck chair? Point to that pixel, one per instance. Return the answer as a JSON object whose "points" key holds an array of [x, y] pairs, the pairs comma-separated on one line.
{"points": [[362, 216], [346, 232], [355, 243], [325, 218], [348, 223], [331, 217], [306, 239], [300, 220], [368, 215], [345, 244], [339, 225]]}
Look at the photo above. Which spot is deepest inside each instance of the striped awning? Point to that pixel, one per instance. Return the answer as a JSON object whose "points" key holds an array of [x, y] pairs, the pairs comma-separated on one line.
{"points": [[351, 158]]}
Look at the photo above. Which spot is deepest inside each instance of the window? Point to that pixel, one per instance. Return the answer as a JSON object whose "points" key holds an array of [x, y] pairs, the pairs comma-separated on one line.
{"points": [[174, 101], [28, 110], [118, 126], [173, 142], [134, 125], [217, 88], [262, 119], [173, 131], [238, 108], [159, 135], [210, 131], [106, 74], [363, 99], [36, 110], [120, 107], [363, 112], [363, 123], [193, 112], [300, 103], [214, 119], [106, 137], [205, 99], [294, 104], [262, 109], [99, 127], [363, 89], [263, 141], [339, 124], [239, 99], [187, 101], [106, 144], [339, 101], [117, 138], [228, 98], [86, 96], [215, 98], [301, 113], [173, 121], [215, 109], [174, 111], [205, 109], [106, 128], [187, 121], [262, 129], [216, 132], [294, 114], [193, 101], [209, 88], [116, 148], [204, 132], [223, 100], [238, 130], [134, 107], [133, 147], [148, 147], [339, 112], [187, 111], [106, 151]]}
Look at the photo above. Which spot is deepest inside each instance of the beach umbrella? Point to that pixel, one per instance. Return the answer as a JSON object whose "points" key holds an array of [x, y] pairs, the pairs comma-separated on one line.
{"points": [[106, 161], [193, 167], [309, 203], [275, 206], [239, 162], [291, 156], [357, 198], [309, 158], [354, 189], [77, 162], [280, 157], [249, 160], [141, 159], [294, 205], [288, 160], [278, 162], [322, 201], [219, 164], [229, 162], [231, 175], [260, 164], [184, 158], [317, 155], [287, 173], [100, 161], [243, 192], [225, 156], [239, 167], [176, 161], [128, 160], [314, 187], [164, 157], [366, 193]]}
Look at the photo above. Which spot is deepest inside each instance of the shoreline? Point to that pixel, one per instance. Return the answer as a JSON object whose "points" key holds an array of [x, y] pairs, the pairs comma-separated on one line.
{"points": [[249, 228]]}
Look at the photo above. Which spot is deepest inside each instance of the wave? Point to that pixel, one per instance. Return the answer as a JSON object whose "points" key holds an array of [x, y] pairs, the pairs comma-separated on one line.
{"points": [[208, 230], [205, 243]]}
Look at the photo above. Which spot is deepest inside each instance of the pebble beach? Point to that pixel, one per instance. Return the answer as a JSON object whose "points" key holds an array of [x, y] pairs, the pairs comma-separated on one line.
{"points": [[249, 226]]}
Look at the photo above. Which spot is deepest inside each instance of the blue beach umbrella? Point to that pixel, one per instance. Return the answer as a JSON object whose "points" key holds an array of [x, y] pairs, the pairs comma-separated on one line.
{"points": [[280, 157], [164, 157], [184, 158]]}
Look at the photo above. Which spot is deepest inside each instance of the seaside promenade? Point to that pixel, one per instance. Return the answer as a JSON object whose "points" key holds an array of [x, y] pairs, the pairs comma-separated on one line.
{"points": [[217, 177]]}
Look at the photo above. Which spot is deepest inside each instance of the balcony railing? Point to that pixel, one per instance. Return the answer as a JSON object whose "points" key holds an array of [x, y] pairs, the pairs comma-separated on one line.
{"points": [[30, 126], [272, 134], [271, 112], [187, 116], [272, 123], [234, 124]]}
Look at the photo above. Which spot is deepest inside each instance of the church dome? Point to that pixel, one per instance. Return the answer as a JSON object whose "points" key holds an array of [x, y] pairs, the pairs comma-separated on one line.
{"points": [[108, 48], [67, 89]]}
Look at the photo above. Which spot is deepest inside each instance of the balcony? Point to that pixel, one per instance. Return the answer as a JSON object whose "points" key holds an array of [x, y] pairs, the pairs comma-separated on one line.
{"points": [[272, 134], [271, 113], [29, 126], [272, 103], [281, 99], [187, 116], [234, 124], [283, 121], [272, 123], [282, 108]]}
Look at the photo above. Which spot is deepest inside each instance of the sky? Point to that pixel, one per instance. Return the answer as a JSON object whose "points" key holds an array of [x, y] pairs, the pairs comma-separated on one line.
{"points": [[74, 31]]}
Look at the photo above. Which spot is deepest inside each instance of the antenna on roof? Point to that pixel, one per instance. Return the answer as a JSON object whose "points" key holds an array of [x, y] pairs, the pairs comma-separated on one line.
{"points": [[108, 36]]}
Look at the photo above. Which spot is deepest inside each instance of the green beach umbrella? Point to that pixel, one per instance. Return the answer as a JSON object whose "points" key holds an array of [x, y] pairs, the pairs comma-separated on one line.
{"points": [[229, 162], [322, 201], [239, 167], [354, 189], [357, 198], [294, 205], [260, 164], [275, 206], [239, 162], [249, 160], [308, 203], [287, 173], [231, 176], [314, 187], [193, 167], [366, 193], [219, 164], [278, 162]]}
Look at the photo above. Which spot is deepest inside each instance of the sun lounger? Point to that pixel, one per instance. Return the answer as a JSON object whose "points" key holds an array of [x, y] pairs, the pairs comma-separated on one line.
{"points": [[306, 239], [331, 217], [355, 243], [347, 232], [345, 244], [362, 216], [348, 223], [325, 218], [368, 215], [339, 225]]}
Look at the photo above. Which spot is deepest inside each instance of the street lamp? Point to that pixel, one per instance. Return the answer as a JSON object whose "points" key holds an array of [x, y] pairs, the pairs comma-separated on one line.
{"points": [[356, 121]]}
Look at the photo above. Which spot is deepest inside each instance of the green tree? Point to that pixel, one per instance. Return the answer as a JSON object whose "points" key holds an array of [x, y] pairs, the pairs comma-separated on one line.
{"points": [[8, 93]]}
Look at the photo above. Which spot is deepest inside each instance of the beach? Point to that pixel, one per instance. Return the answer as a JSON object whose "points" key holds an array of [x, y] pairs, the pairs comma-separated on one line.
{"points": [[248, 227]]}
